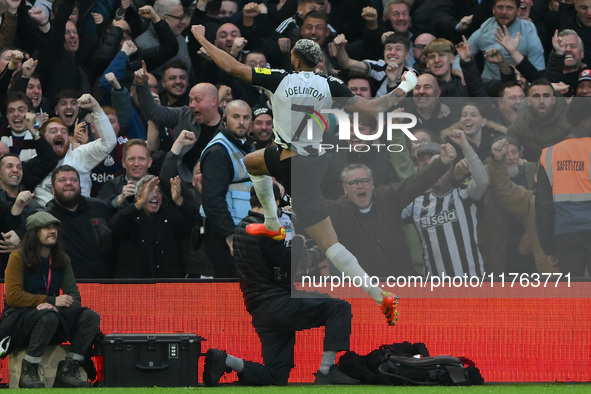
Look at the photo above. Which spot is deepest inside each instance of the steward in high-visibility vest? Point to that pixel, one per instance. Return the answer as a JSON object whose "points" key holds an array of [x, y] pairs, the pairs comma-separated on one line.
{"points": [[238, 195], [225, 198], [568, 168], [563, 195]]}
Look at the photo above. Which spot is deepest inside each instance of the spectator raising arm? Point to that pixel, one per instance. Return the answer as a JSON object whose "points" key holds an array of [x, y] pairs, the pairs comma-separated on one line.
{"points": [[94, 152], [480, 181], [345, 61]]}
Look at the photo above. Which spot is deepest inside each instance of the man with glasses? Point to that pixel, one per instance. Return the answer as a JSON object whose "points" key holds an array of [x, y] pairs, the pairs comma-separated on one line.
{"points": [[419, 45], [367, 219], [358, 151], [173, 13]]}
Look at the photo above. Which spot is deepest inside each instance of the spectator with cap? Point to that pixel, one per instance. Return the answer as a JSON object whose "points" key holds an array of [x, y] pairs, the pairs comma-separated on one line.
{"points": [[262, 127], [44, 303], [583, 85], [406, 162]]}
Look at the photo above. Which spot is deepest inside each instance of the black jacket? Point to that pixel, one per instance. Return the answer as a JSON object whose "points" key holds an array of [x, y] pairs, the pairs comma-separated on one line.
{"points": [[217, 170], [535, 132], [568, 19], [150, 247], [555, 73], [261, 263], [36, 169], [87, 237]]}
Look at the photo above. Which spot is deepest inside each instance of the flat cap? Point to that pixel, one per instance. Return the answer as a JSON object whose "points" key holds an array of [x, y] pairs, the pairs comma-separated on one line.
{"points": [[430, 147], [40, 220]]}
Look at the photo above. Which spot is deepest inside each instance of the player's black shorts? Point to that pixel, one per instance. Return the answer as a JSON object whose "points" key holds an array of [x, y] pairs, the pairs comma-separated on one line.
{"points": [[301, 176]]}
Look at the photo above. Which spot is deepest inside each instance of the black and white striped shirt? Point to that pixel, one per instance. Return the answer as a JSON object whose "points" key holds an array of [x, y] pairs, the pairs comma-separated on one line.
{"points": [[377, 72], [447, 227], [447, 224]]}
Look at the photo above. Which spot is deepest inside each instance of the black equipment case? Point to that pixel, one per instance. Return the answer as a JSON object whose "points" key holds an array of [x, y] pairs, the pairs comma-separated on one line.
{"points": [[146, 360]]}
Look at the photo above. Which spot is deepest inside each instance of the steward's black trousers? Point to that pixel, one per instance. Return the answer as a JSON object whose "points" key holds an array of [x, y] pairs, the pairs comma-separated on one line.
{"points": [[276, 322]]}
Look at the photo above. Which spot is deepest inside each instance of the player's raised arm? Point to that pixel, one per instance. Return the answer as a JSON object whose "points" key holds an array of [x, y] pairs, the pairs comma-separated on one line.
{"points": [[223, 60], [386, 102]]}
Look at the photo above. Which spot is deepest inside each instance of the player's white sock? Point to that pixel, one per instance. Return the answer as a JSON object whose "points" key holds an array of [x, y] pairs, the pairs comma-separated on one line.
{"points": [[345, 262], [328, 359], [237, 364], [263, 186]]}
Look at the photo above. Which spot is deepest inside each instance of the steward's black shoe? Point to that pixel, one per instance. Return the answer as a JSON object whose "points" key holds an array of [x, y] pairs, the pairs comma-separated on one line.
{"points": [[334, 376], [215, 366]]}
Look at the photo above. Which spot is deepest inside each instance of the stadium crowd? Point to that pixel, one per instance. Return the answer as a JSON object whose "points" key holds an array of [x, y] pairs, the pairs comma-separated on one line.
{"points": [[117, 122]]}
